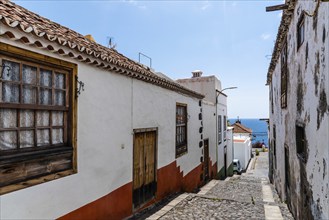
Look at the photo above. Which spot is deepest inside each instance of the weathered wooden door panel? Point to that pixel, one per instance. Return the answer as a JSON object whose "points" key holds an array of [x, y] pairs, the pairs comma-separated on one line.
{"points": [[144, 175]]}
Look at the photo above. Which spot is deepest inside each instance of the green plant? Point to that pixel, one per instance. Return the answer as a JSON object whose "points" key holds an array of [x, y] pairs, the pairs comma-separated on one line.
{"points": [[264, 149], [257, 152]]}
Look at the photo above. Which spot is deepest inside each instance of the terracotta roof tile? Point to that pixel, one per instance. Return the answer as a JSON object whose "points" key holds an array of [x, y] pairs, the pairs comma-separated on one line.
{"points": [[18, 17], [281, 37], [239, 128]]}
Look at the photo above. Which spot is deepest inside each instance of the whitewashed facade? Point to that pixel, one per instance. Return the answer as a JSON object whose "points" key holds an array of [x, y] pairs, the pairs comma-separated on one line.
{"points": [[122, 104], [299, 126], [215, 103], [242, 150]]}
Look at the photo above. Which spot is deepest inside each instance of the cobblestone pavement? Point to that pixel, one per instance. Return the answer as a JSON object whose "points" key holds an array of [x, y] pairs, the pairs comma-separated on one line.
{"points": [[238, 197]]}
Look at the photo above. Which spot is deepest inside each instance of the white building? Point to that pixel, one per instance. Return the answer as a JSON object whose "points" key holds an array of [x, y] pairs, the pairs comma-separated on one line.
{"points": [[242, 150], [242, 143], [131, 138], [299, 124], [215, 115]]}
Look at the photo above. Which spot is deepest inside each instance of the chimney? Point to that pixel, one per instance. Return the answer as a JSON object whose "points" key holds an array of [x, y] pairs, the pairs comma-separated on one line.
{"points": [[90, 37], [196, 73]]}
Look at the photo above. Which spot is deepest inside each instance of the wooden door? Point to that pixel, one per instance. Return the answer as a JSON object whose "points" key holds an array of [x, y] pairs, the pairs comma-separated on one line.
{"points": [[144, 167], [206, 159]]}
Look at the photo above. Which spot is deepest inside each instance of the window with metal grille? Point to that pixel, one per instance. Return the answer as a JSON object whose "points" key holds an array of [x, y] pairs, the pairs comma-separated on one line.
{"points": [[284, 76], [36, 120], [181, 129]]}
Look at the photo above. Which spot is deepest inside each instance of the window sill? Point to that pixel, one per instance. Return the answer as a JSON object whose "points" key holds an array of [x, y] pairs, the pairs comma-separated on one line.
{"points": [[30, 167], [36, 181]]}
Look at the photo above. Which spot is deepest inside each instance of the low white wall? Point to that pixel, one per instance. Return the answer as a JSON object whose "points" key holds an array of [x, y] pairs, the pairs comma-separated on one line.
{"points": [[242, 151]]}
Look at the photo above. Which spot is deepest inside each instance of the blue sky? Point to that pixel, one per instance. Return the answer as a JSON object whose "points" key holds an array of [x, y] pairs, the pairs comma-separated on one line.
{"points": [[230, 39]]}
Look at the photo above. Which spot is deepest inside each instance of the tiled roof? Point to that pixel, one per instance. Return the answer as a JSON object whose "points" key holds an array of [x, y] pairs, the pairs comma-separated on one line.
{"points": [[281, 37], [239, 128], [17, 17]]}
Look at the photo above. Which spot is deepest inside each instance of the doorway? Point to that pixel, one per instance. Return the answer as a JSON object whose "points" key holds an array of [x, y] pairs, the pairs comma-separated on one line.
{"points": [[144, 166]]}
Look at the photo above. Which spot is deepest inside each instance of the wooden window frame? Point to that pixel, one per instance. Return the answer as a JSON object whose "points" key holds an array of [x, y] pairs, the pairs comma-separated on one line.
{"points": [[300, 31], [284, 76], [181, 147], [43, 158]]}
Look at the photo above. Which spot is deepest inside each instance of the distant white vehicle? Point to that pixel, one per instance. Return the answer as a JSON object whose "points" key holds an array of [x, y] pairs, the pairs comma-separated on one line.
{"points": [[237, 166]]}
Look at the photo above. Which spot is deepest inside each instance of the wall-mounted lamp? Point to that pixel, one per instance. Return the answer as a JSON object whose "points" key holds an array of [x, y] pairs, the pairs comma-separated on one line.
{"points": [[80, 87], [3, 66], [234, 87], [221, 91]]}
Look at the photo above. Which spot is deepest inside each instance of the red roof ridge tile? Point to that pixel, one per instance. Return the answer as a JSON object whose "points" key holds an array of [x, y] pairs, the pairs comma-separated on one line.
{"points": [[239, 128]]}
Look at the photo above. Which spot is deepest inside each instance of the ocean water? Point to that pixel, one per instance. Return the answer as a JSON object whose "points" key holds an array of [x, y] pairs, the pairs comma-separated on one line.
{"points": [[258, 127]]}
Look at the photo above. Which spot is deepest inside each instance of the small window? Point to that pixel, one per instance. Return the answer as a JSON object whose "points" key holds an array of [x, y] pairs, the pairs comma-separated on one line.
{"points": [[300, 142], [284, 76], [36, 120], [219, 129], [225, 125], [300, 31], [181, 129]]}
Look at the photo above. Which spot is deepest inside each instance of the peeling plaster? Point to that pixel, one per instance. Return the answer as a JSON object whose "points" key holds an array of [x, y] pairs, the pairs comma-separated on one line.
{"points": [[324, 167], [308, 193], [316, 72], [322, 107], [300, 92], [315, 25], [306, 55]]}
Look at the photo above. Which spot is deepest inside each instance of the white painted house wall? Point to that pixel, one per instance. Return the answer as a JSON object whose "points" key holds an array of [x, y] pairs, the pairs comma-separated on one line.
{"points": [[241, 135], [242, 151], [209, 129], [210, 86], [108, 110], [222, 110], [230, 146], [307, 104]]}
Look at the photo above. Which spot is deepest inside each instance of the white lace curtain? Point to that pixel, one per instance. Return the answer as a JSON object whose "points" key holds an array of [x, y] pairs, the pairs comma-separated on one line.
{"points": [[37, 127]]}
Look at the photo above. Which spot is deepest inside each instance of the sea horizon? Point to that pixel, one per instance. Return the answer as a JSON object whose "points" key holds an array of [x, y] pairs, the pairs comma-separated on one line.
{"points": [[258, 127]]}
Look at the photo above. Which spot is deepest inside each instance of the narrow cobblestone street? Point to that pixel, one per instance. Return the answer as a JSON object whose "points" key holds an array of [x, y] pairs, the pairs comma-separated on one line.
{"points": [[246, 196]]}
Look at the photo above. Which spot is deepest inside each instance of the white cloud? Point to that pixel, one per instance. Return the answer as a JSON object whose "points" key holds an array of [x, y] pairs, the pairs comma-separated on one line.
{"points": [[136, 4], [234, 4], [265, 36], [205, 5]]}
